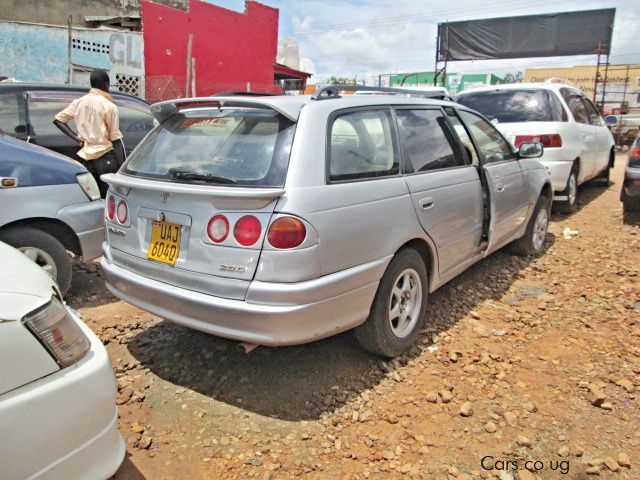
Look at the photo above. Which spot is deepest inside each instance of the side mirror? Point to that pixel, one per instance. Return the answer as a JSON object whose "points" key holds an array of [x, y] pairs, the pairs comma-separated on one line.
{"points": [[530, 150], [611, 120]]}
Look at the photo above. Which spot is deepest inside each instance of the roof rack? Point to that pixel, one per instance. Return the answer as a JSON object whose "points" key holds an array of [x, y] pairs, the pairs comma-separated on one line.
{"points": [[232, 93], [328, 92]]}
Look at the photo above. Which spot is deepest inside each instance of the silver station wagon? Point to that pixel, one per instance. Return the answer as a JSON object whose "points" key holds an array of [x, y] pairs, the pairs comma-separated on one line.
{"points": [[282, 220]]}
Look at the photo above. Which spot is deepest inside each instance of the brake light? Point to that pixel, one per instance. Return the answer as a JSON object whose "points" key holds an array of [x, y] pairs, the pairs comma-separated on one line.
{"points": [[247, 230], [218, 228], [122, 212], [286, 232], [197, 104], [547, 141], [634, 152], [111, 208]]}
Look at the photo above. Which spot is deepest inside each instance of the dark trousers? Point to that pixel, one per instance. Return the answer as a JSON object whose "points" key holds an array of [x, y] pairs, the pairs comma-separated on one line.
{"points": [[107, 163]]}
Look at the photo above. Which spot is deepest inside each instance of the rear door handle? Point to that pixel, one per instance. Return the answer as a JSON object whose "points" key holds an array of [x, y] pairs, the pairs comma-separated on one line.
{"points": [[427, 203], [499, 187]]}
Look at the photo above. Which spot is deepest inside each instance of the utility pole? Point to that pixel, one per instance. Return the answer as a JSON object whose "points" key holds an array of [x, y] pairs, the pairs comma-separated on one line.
{"points": [[69, 46], [187, 87]]}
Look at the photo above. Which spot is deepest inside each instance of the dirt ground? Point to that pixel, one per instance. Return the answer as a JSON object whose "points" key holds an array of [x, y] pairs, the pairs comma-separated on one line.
{"points": [[527, 369]]}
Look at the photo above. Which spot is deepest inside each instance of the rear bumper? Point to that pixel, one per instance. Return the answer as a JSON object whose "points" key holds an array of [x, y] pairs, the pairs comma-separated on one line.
{"points": [[87, 220], [559, 172], [273, 314], [64, 425]]}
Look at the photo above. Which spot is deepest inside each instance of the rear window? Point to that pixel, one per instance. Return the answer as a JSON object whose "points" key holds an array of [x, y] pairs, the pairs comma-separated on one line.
{"points": [[243, 147], [511, 106]]}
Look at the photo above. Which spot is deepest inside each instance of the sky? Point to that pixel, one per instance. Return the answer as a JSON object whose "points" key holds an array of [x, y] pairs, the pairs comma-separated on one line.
{"points": [[364, 38]]}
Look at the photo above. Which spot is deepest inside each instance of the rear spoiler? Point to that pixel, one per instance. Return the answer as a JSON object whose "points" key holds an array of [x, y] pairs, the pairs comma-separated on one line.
{"points": [[163, 110], [215, 191]]}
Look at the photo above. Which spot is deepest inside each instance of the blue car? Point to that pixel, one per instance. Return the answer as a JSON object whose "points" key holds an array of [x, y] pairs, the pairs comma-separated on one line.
{"points": [[51, 207]]}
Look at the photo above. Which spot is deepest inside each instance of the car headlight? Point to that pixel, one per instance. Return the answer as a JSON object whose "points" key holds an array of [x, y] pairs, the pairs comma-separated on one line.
{"points": [[58, 332], [88, 185]]}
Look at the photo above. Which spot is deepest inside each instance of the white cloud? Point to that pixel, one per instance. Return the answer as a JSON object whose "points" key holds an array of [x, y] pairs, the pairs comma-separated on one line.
{"points": [[307, 65], [349, 37], [301, 23], [354, 47]]}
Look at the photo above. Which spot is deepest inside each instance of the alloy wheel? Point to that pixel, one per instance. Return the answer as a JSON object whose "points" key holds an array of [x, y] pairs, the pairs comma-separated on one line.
{"points": [[405, 303]]}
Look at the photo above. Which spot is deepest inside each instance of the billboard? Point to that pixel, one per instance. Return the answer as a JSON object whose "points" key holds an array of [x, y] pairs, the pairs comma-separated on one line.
{"points": [[623, 83], [547, 35]]}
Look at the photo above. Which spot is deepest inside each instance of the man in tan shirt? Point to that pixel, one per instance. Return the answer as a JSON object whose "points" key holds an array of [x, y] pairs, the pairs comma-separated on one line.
{"points": [[98, 124]]}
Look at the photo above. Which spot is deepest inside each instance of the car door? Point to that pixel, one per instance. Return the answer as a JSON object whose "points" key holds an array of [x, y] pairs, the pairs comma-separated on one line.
{"points": [[506, 182], [445, 188], [603, 136], [588, 134]]}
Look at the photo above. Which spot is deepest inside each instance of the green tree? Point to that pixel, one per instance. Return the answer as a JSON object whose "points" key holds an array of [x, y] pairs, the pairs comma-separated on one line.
{"points": [[333, 80]]}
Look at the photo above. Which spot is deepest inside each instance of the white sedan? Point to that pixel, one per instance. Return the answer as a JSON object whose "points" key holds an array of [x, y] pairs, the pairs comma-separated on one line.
{"points": [[58, 415]]}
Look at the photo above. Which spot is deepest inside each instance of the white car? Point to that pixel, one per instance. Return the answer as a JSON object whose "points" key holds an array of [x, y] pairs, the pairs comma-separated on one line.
{"points": [[58, 417], [577, 144]]}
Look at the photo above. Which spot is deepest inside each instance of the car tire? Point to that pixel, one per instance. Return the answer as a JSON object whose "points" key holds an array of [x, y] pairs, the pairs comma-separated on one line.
{"points": [[571, 192], [399, 307], [533, 240], [630, 204], [43, 249], [605, 175]]}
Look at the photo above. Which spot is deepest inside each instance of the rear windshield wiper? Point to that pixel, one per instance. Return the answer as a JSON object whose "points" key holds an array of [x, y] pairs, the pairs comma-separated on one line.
{"points": [[201, 177]]}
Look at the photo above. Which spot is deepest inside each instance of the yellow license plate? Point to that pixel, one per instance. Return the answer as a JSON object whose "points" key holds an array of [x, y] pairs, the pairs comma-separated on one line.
{"points": [[165, 242]]}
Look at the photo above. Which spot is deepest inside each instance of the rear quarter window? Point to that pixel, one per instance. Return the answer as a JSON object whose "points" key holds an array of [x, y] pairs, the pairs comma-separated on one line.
{"points": [[361, 145]]}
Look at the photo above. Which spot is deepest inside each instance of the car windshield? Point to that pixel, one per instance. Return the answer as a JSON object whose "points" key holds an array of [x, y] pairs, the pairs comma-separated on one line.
{"points": [[510, 106], [233, 146]]}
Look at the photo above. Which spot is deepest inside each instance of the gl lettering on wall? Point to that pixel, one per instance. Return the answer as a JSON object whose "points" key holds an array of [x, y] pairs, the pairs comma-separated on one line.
{"points": [[121, 51]]}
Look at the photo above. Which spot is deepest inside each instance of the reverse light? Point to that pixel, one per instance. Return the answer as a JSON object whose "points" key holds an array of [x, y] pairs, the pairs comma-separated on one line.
{"points": [[58, 332], [286, 232], [547, 141], [218, 228], [247, 230], [89, 185], [111, 208], [122, 212]]}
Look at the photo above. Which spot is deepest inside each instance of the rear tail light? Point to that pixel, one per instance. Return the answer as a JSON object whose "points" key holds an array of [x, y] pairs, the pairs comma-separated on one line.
{"points": [[634, 152], [59, 333], [122, 212], [547, 141], [111, 208], [286, 232], [247, 230], [218, 228]]}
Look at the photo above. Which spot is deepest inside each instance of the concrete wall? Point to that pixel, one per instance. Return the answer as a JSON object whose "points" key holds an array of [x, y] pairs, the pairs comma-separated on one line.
{"points": [[39, 53], [56, 12], [230, 49]]}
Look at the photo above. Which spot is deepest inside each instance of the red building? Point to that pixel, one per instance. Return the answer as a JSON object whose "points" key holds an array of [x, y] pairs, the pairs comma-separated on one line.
{"points": [[228, 50]]}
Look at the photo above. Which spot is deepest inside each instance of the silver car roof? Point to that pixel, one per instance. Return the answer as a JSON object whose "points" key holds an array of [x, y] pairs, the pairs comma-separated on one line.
{"points": [[287, 105]]}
